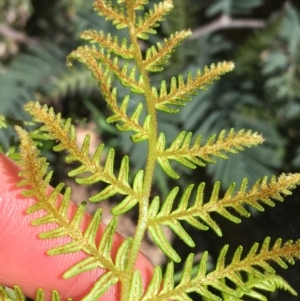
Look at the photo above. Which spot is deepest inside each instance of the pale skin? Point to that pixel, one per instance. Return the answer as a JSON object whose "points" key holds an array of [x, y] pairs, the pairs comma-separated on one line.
{"points": [[23, 258]]}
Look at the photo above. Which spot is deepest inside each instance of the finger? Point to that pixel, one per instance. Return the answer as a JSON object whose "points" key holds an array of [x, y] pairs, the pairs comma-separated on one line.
{"points": [[23, 257]]}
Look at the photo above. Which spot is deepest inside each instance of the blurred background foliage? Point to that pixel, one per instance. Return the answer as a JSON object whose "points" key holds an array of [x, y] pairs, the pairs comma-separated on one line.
{"points": [[262, 37]]}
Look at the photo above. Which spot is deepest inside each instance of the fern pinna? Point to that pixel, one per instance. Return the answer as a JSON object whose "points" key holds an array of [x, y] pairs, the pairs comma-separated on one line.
{"points": [[246, 273]]}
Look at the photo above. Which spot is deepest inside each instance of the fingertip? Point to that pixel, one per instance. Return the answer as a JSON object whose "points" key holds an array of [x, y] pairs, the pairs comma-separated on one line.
{"points": [[24, 260]]}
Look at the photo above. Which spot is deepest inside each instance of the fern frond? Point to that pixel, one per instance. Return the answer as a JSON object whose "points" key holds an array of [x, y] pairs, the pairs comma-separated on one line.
{"points": [[62, 131], [109, 42], [181, 92], [129, 123], [98, 256], [172, 219], [110, 13], [105, 281], [255, 263], [198, 155], [157, 57], [102, 75], [145, 24], [155, 285], [101, 286], [79, 82], [269, 283], [89, 56], [263, 191], [199, 214], [109, 58]]}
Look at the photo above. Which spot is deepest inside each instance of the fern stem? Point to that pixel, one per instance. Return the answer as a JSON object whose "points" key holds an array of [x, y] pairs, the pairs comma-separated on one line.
{"points": [[151, 158]]}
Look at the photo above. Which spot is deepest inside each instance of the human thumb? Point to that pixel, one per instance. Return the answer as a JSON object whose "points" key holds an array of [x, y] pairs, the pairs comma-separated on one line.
{"points": [[23, 255]]}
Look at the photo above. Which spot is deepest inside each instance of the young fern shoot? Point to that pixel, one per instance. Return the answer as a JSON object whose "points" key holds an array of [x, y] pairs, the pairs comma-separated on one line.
{"points": [[109, 59]]}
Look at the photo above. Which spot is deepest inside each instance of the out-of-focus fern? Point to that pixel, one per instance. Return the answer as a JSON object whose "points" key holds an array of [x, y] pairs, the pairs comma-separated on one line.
{"points": [[232, 7], [281, 65], [17, 87], [20, 82], [38, 71], [278, 50]]}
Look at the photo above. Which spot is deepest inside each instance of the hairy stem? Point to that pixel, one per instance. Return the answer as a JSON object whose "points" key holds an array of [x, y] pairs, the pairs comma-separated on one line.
{"points": [[151, 159]]}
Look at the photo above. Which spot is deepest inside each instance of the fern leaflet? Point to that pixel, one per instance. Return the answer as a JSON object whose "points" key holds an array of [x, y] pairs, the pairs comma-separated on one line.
{"points": [[205, 284], [57, 129], [190, 157], [199, 214], [181, 92]]}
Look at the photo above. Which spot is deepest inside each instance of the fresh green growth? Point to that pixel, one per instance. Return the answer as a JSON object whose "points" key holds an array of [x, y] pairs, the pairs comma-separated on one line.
{"points": [[246, 273]]}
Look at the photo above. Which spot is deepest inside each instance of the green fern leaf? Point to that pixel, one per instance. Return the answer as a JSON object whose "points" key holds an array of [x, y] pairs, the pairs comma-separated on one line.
{"points": [[181, 92], [77, 82], [136, 286], [203, 282], [40, 295], [84, 265], [270, 283], [155, 284], [144, 134], [106, 193], [55, 296], [101, 286], [125, 205], [261, 191], [133, 120], [116, 15], [180, 292], [165, 216], [104, 247], [107, 238], [57, 129], [157, 57], [186, 271], [109, 42], [161, 218], [122, 254], [34, 168], [129, 124], [145, 24], [19, 294], [161, 241], [108, 58], [168, 281], [198, 155], [91, 57]]}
